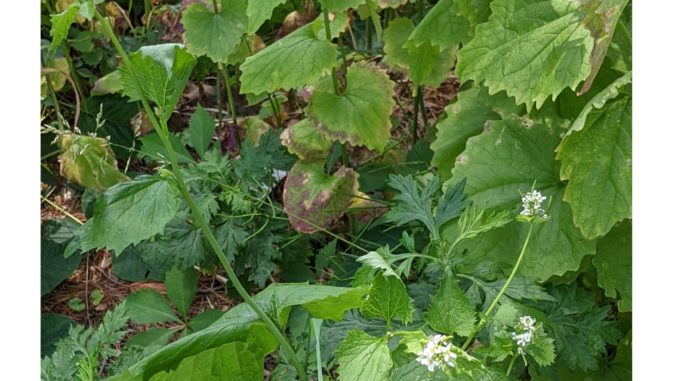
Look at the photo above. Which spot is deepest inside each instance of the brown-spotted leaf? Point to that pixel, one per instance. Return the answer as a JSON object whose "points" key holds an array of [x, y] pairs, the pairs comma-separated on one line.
{"points": [[304, 140], [313, 199], [88, 161]]}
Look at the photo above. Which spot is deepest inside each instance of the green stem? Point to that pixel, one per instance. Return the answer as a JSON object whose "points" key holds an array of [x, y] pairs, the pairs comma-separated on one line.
{"points": [[415, 117], [219, 108], [198, 219], [231, 101], [328, 35], [420, 97], [483, 319], [510, 368]]}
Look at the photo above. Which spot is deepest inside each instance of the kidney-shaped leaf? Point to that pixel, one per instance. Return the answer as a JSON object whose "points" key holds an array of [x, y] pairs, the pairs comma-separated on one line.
{"points": [[304, 140], [214, 34]]}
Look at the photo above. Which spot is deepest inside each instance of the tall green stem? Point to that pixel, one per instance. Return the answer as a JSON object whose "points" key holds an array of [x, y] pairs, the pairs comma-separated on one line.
{"points": [[510, 368], [219, 108], [161, 129], [231, 102], [328, 35], [484, 316]]}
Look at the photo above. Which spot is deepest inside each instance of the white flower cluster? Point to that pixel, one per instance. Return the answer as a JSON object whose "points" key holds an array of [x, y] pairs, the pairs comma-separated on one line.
{"points": [[437, 354], [524, 333], [532, 207]]}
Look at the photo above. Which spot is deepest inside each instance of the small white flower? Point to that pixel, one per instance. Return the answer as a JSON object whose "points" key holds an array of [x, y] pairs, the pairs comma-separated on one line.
{"points": [[524, 332], [532, 205], [437, 354]]}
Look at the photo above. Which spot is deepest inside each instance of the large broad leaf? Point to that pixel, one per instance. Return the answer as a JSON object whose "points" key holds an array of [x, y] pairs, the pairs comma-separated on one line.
{"points": [[201, 127], [388, 299], [613, 264], [259, 11], [53, 327], [444, 26], [599, 100], [304, 140], [466, 117], [533, 49], [450, 311], [88, 161], [601, 19], [130, 212], [313, 199], [361, 114], [362, 357], [214, 34], [161, 73], [294, 61], [596, 161], [427, 65], [241, 324], [509, 158]]}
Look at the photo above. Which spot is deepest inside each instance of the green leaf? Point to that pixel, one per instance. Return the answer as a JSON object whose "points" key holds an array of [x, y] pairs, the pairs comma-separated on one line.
{"points": [[215, 35], [154, 149], [304, 140], [108, 84], [533, 49], [378, 260], [613, 264], [260, 11], [362, 357], [361, 115], [61, 23], [162, 72], [598, 101], [148, 306], [204, 319], [88, 161], [53, 327], [601, 19], [499, 164], [413, 203], [235, 361], [426, 64], [442, 26], [279, 66], [201, 128], [54, 268], [388, 299], [542, 349], [130, 212], [152, 337], [181, 288], [596, 161], [314, 200], [450, 311], [466, 117]]}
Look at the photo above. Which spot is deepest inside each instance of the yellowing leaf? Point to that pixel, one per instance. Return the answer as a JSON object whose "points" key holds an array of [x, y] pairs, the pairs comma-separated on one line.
{"points": [[88, 161]]}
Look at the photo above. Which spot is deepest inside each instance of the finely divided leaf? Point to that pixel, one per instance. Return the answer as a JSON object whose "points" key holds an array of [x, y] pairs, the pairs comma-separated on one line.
{"points": [[130, 212], [413, 203], [314, 200], [450, 311], [361, 114], [596, 161], [533, 49], [213, 34], [362, 357], [466, 117], [613, 264], [388, 299]]}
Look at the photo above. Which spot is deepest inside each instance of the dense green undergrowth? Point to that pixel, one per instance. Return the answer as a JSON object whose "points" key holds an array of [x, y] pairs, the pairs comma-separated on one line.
{"points": [[288, 148]]}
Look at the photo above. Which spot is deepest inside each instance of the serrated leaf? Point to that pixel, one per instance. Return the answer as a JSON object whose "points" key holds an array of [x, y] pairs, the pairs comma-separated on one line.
{"points": [[596, 161], [214, 34], [613, 264], [162, 72], [533, 49], [279, 66], [388, 299], [61, 23], [260, 11], [466, 117], [181, 287], [201, 127], [442, 26], [362, 357], [599, 100], [426, 63], [130, 212], [377, 260], [315, 200], [499, 164], [413, 202], [305, 141], [359, 116], [601, 19], [148, 306], [88, 161], [450, 311], [542, 349]]}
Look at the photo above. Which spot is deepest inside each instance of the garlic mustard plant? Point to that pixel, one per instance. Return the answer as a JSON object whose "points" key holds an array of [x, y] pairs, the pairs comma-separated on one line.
{"points": [[437, 354]]}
